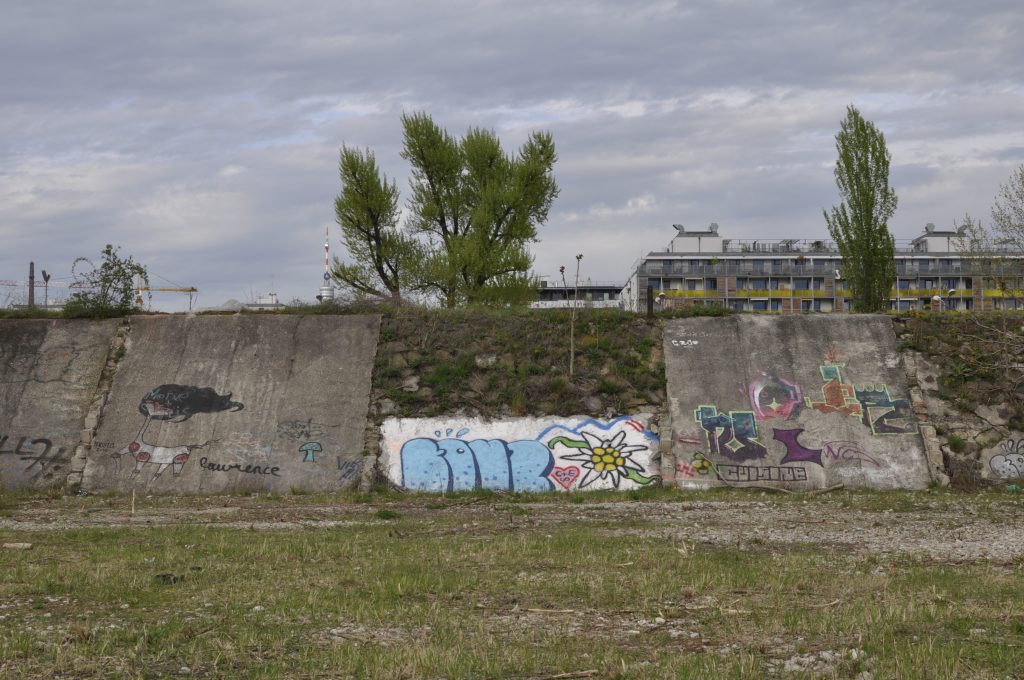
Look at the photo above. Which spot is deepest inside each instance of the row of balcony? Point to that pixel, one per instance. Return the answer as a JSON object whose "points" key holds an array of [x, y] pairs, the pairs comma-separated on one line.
{"points": [[804, 293], [722, 269]]}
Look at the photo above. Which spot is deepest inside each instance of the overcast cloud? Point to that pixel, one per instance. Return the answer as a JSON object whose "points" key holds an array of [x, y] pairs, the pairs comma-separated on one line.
{"points": [[203, 137]]}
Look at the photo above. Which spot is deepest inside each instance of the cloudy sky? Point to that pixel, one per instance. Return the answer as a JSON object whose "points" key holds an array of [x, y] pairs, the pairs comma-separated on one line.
{"points": [[203, 137]]}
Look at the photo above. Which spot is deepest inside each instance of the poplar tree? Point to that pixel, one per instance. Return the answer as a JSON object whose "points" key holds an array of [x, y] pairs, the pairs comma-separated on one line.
{"points": [[859, 224]]}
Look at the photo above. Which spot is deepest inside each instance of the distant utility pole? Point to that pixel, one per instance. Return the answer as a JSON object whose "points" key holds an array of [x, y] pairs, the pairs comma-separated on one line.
{"points": [[31, 284]]}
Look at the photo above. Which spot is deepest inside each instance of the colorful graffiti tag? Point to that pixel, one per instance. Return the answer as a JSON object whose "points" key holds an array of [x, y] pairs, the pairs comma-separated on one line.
{"points": [[731, 435], [460, 465], [772, 396], [523, 455], [733, 450], [871, 403]]}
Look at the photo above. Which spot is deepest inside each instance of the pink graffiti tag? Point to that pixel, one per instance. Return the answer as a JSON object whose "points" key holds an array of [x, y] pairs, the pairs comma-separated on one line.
{"points": [[565, 476]]}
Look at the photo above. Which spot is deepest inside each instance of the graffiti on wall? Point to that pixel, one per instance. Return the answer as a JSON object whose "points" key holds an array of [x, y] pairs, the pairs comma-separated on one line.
{"points": [[39, 453], [602, 458], [177, 403], [308, 435], [772, 396], [554, 456], [1009, 464], [735, 443], [732, 435], [795, 451], [873, 404], [173, 404]]}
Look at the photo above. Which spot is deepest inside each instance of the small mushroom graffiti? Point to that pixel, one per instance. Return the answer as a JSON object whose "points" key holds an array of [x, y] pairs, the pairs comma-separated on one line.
{"points": [[310, 449]]}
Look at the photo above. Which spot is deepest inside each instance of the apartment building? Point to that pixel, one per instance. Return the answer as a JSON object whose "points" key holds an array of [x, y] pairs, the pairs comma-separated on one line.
{"points": [[701, 267]]}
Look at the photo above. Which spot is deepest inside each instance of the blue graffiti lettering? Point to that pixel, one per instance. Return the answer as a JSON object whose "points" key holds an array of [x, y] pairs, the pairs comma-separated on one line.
{"points": [[458, 465]]}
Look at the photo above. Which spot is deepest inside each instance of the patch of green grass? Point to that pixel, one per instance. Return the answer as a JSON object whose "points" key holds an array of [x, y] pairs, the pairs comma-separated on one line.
{"points": [[488, 591], [957, 444], [385, 513]]}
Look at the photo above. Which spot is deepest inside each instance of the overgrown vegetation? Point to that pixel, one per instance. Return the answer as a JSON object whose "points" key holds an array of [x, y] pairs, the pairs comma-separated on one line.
{"points": [[516, 362], [981, 355]]}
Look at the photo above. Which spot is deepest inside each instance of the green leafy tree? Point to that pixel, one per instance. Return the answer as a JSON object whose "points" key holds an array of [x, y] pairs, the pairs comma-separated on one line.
{"points": [[859, 225], [109, 289], [478, 209], [367, 212]]}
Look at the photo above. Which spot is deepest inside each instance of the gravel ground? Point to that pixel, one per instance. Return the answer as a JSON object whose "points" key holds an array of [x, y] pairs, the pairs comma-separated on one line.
{"points": [[953, 529]]}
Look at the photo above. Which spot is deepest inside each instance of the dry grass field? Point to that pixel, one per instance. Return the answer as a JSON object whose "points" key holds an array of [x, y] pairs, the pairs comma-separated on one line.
{"points": [[656, 584]]}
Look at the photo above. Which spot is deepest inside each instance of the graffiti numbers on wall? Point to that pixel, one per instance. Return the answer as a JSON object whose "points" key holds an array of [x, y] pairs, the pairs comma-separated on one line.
{"points": [[39, 453]]}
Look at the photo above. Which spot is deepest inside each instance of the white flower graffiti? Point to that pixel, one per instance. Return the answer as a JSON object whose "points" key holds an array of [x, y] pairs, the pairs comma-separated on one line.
{"points": [[605, 458]]}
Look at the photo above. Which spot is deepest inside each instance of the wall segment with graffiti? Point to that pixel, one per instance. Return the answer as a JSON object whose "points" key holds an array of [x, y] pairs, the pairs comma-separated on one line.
{"points": [[798, 401], [521, 454], [48, 375], [215, 404]]}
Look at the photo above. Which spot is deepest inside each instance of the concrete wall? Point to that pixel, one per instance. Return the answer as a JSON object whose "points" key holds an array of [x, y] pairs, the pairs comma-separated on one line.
{"points": [[214, 404], [49, 370], [519, 454], [793, 401]]}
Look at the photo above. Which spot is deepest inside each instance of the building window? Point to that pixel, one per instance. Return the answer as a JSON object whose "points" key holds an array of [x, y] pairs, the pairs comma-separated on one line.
{"points": [[710, 284], [759, 284], [760, 305], [801, 284], [817, 284], [776, 305], [903, 284]]}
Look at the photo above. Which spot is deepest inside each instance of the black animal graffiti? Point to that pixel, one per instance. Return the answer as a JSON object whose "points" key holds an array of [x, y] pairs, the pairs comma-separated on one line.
{"points": [[177, 403]]}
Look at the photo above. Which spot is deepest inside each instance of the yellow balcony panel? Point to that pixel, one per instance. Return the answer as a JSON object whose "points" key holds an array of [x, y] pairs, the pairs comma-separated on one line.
{"points": [[752, 293]]}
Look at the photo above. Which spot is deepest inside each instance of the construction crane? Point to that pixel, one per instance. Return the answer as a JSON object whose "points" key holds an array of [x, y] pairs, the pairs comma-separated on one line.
{"points": [[143, 286], [192, 292]]}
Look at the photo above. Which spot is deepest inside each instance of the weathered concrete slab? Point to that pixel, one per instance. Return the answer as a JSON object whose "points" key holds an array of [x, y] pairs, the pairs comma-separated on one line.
{"points": [[792, 401], [216, 404], [519, 454], [49, 370]]}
